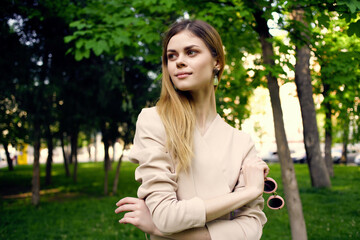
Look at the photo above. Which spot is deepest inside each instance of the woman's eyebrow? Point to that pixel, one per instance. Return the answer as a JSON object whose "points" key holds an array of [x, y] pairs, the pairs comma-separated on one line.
{"points": [[185, 48]]}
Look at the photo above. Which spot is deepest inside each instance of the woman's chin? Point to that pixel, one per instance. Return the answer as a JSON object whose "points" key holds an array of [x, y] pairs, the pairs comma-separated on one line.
{"points": [[184, 88]]}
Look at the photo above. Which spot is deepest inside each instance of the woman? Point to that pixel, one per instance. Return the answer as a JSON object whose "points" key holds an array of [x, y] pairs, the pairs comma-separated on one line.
{"points": [[200, 178]]}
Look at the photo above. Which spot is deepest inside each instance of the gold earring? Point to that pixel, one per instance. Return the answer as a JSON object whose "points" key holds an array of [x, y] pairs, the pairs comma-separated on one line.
{"points": [[216, 80]]}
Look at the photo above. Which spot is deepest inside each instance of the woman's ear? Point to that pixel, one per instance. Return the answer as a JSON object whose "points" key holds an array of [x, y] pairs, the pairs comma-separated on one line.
{"points": [[217, 65]]}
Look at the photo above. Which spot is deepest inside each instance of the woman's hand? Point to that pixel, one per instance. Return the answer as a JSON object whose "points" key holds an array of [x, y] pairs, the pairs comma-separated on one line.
{"points": [[254, 176], [137, 214]]}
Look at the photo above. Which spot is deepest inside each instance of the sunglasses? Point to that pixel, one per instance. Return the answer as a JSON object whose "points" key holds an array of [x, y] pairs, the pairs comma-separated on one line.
{"points": [[274, 201]]}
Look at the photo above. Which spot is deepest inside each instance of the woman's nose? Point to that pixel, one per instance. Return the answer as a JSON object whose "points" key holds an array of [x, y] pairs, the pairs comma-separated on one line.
{"points": [[180, 62]]}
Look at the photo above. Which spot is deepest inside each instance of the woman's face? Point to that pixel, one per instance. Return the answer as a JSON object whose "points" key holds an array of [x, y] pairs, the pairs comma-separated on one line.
{"points": [[190, 63]]}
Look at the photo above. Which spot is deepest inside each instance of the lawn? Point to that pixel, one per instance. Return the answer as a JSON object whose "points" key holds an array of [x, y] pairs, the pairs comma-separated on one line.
{"points": [[80, 211]]}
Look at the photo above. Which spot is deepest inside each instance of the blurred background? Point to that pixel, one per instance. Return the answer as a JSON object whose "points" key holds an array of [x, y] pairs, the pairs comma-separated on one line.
{"points": [[74, 75]]}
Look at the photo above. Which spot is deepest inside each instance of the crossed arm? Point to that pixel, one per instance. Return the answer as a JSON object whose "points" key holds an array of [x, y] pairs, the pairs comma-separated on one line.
{"points": [[139, 215]]}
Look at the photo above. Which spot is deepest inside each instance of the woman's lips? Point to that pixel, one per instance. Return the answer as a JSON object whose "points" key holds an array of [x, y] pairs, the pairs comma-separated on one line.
{"points": [[182, 75]]}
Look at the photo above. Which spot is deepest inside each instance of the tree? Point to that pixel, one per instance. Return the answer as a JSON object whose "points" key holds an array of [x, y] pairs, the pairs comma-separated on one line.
{"points": [[236, 86], [294, 206], [12, 117], [118, 55], [23, 83], [90, 36], [251, 14], [39, 27], [334, 43], [317, 167]]}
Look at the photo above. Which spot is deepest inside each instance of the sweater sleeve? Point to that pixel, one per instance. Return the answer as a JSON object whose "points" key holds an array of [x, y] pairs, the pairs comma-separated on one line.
{"points": [[247, 222], [156, 173]]}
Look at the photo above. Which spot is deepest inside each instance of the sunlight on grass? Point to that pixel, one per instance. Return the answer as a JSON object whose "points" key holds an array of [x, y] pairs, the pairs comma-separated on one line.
{"points": [[341, 188]]}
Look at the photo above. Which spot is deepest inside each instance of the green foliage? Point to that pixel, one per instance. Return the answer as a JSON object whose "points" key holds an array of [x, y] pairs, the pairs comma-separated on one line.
{"points": [[14, 69], [117, 48], [133, 30], [231, 19], [12, 122], [46, 85], [122, 28], [339, 57], [232, 95], [353, 5], [354, 28]]}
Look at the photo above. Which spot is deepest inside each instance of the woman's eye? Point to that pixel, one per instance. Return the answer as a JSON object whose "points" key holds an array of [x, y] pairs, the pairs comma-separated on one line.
{"points": [[191, 52], [171, 56]]}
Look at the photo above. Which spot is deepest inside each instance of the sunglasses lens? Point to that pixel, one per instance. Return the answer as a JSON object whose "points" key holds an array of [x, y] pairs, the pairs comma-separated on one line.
{"points": [[269, 186], [275, 202]]}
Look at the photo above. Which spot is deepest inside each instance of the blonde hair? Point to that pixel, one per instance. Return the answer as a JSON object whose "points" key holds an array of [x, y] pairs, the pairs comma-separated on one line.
{"points": [[176, 108]]}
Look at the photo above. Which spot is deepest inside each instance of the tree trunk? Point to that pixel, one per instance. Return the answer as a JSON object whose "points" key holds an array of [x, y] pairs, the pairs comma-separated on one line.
{"points": [[89, 151], [36, 166], [317, 167], [345, 142], [116, 180], [96, 147], [328, 157], [292, 196], [8, 158], [74, 139], [114, 153], [49, 160], [328, 131], [66, 163], [106, 164], [344, 153], [70, 151]]}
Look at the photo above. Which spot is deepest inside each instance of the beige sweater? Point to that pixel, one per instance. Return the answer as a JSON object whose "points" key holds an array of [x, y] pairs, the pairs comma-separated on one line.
{"points": [[176, 203]]}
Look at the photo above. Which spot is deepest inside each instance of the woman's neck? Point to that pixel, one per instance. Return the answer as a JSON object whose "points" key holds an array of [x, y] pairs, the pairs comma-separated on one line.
{"points": [[205, 109]]}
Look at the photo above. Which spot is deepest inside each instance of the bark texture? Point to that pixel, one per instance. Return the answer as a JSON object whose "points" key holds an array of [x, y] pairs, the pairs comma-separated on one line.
{"points": [[74, 139], [8, 158], [35, 198], [117, 174], [317, 167], [292, 196], [107, 163], [328, 131], [49, 160], [66, 162]]}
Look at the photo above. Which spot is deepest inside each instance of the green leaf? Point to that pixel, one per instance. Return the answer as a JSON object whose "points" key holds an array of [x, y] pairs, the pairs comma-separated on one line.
{"points": [[354, 28], [97, 51], [102, 44], [324, 20], [90, 44], [78, 55], [81, 53], [86, 53], [79, 43], [78, 24], [68, 39], [121, 37], [120, 54], [70, 50], [351, 4]]}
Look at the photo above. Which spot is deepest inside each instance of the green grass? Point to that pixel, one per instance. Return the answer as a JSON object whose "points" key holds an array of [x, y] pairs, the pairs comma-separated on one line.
{"points": [[80, 211], [74, 211], [329, 213]]}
